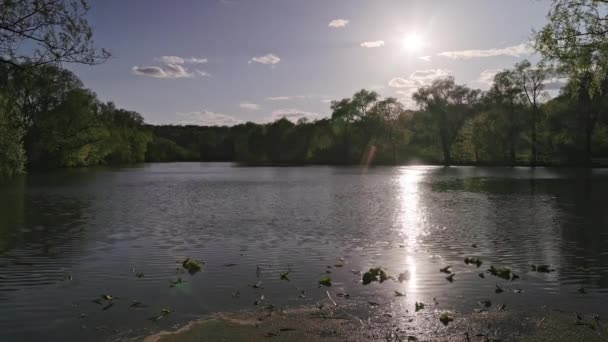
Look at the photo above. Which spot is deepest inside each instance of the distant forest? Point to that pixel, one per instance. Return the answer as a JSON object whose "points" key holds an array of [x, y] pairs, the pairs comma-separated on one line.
{"points": [[48, 119]]}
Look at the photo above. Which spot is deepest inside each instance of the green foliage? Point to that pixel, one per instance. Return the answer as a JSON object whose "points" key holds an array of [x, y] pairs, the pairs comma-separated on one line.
{"points": [[374, 274], [325, 281], [12, 154]]}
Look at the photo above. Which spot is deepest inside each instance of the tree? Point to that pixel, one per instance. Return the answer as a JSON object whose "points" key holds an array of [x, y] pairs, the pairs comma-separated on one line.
{"points": [[576, 36], [389, 110], [450, 105], [505, 102], [530, 80], [38, 32], [12, 155]]}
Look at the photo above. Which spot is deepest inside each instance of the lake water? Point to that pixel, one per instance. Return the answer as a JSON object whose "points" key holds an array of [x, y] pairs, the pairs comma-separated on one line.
{"points": [[68, 237]]}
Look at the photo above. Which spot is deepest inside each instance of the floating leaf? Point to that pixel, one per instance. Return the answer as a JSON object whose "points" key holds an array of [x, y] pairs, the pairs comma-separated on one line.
{"points": [[343, 295], [139, 275], [473, 261], [338, 265], [374, 274], [503, 272], [192, 266], [502, 307], [481, 275], [285, 276], [499, 289], [450, 278], [325, 281], [445, 318], [270, 334], [287, 329], [399, 294], [137, 304], [177, 282], [542, 268], [258, 285], [373, 303], [474, 245], [419, 306], [446, 269], [485, 303], [229, 265], [165, 312], [106, 297], [259, 301], [403, 276]]}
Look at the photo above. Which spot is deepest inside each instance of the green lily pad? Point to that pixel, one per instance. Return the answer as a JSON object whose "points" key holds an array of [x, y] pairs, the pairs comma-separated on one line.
{"points": [[503, 272], [374, 274], [399, 294], [419, 306], [139, 275], [325, 281], [542, 268], [450, 278], [446, 269], [177, 282], [285, 276], [446, 318], [473, 261], [192, 266]]}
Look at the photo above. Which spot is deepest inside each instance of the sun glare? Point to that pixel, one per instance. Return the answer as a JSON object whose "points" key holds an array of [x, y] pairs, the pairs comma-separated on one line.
{"points": [[413, 42]]}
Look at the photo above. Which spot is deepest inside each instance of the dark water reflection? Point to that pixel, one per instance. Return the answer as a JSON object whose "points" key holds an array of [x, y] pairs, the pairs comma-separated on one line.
{"points": [[97, 226]]}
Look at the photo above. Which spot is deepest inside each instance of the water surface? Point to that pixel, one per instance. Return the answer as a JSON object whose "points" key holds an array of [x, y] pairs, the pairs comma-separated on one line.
{"points": [[69, 236]]}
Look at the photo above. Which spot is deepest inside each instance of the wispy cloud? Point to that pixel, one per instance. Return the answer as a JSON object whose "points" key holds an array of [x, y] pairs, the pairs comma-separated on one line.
{"points": [[425, 58], [511, 51], [166, 71], [207, 118], [407, 86], [293, 114], [373, 44], [338, 23], [269, 59], [249, 106], [279, 98], [172, 67], [181, 60], [487, 76]]}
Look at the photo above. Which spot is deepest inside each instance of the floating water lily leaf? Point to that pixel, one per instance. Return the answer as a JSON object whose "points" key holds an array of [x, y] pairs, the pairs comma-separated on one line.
{"points": [[338, 265], [258, 285], [450, 278], [503, 272], [285, 276], [139, 275], [270, 334], [399, 294], [485, 303], [481, 275], [502, 307], [325, 281], [474, 245], [446, 269], [374, 274], [287, 329], [259, 301], [229, 265], [373, 303], [177, 282], [445, 318], [192, 266], [473, 261], [343, 295], [542, 268], [499, 289], [106, 297], [419, 306], [405, 276], [165, 312], [137, 304]]}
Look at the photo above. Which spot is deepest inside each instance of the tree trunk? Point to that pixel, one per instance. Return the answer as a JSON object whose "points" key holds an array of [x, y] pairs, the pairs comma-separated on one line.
{"points": [[533, 157]]}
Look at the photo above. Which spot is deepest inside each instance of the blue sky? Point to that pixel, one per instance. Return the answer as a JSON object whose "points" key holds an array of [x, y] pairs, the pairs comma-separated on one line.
{"points": [[257, 60]]}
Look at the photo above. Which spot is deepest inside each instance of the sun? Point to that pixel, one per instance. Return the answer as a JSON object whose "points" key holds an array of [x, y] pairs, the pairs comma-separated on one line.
{"points": [[413, 42]]}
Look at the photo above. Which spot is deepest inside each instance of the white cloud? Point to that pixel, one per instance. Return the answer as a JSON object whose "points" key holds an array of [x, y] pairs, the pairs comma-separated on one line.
{"points": [[269, 59], [338, 23], [173, 67], [406, 87], [511, 51], [249, 106], [207, 118], [202, 73], [278, 98], [293, 115], [180, 60], [555, 83], [487, 76], [425, 58], [373, 44], [166, 71]]}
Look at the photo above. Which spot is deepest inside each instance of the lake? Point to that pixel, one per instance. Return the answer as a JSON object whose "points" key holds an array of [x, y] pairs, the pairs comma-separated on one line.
{"points": [[69, 236]]}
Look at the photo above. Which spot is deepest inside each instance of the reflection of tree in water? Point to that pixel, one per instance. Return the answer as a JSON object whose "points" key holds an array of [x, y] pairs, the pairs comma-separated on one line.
{"points": [[36, 226], [559, 219]]}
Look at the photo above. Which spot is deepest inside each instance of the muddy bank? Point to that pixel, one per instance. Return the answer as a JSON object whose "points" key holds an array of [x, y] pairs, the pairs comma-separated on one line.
{"points": [[329, 323]]}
